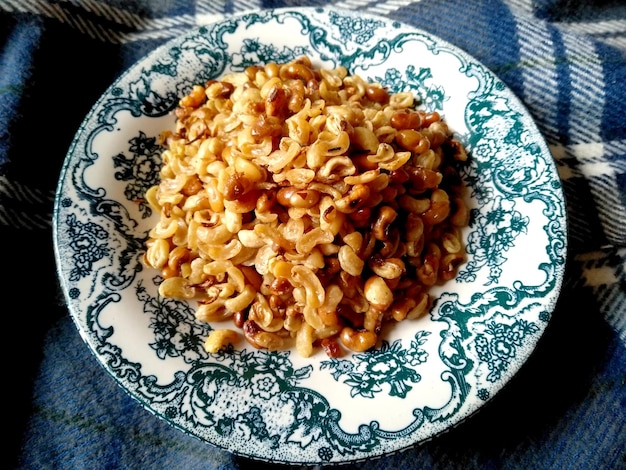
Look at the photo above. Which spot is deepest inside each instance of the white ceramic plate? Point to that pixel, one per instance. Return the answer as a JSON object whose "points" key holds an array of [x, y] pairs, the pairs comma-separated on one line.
{"points": [[428, 374]]}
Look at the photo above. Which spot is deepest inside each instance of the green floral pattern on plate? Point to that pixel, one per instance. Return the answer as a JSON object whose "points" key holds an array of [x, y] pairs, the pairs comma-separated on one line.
{"points": [[390, 366], [426, 375]]}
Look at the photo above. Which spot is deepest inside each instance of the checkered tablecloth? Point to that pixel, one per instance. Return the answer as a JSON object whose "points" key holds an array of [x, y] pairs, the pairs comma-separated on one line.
{"points": [[565, 59]]}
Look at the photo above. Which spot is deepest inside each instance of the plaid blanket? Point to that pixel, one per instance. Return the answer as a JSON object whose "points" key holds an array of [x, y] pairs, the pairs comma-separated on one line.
{"points": [[565, 59]]}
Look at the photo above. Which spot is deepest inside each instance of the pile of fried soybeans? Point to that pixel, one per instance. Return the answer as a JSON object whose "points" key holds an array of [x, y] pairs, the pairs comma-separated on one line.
{"points": [[307, 205]]}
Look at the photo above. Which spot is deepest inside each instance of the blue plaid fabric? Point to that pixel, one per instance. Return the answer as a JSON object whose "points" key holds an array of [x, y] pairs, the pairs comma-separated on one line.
{"points": [[565, 59]]}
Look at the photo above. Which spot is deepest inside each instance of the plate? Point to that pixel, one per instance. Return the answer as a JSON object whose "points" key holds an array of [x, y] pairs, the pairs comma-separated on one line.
{"points": [[426, 375]]}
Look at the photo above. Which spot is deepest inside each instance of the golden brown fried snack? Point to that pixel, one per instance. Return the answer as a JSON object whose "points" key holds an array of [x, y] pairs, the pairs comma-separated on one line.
{"points": [[306, 204]]}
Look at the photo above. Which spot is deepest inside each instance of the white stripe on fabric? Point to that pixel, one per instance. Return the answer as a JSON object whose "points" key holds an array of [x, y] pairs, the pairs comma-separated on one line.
{"points": [[593, 162], [16, 6], [110, 13], [595, 27], [586, 100], [608, 202], [617, 147], [158, 28], [57, 10], [166, 22], [390, 6], [24, 220], [36, 7], [598, 150], [590, 154], [617, 42], [208, 18], [535, 41], [54, 10], [353, 4], [595, 165], [245, 5], [208, 7], [588, 150], [605, 281], [617, 316], [384, 8], [12, 190], [93, 30], [527, 6], [158, 34]]}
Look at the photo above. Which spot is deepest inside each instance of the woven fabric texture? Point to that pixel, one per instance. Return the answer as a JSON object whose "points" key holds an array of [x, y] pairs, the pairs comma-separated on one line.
{"points": [[565, 60]]}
